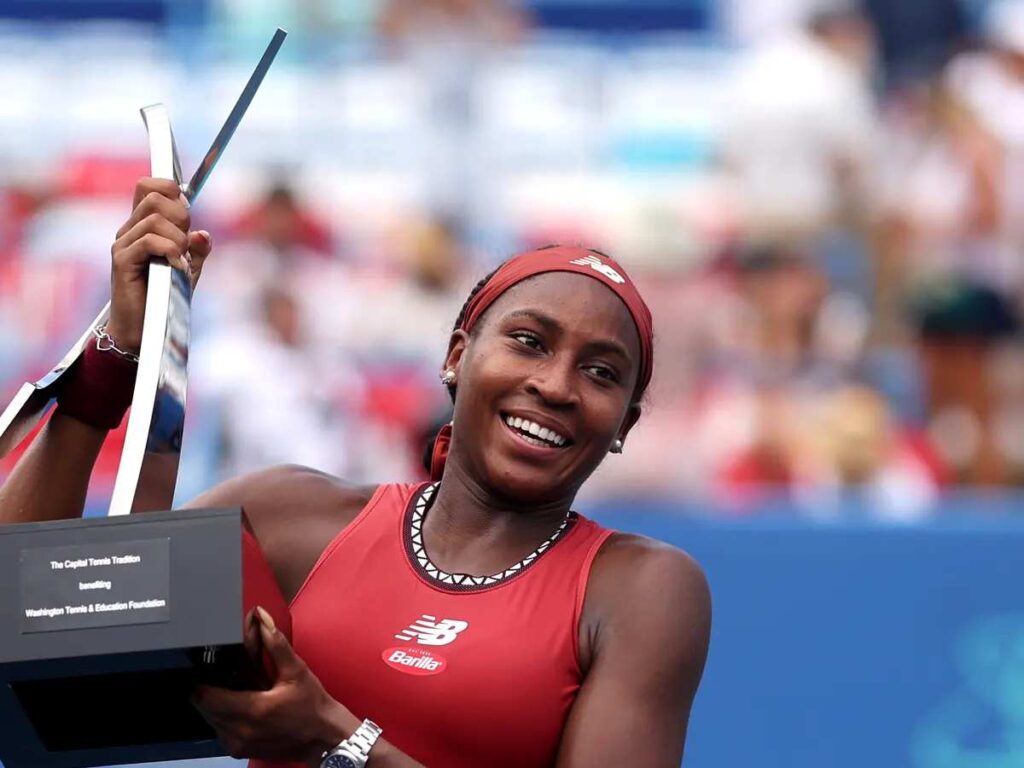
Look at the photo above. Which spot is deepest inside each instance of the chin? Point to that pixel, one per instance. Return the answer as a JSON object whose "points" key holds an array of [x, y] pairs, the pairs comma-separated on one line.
{"points": [[537, 487]]}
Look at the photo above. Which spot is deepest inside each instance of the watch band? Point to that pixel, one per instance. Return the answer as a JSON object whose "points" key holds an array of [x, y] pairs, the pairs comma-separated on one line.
{"points": [[364, 738], [360, 743]]}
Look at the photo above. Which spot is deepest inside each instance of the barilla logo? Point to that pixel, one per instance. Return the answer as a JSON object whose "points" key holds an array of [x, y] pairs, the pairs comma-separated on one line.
{"points": [[599, 266], [414, 661]]}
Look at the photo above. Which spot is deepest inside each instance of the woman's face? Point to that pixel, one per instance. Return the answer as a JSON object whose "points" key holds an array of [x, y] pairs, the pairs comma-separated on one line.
{"points": [[556, 355]]}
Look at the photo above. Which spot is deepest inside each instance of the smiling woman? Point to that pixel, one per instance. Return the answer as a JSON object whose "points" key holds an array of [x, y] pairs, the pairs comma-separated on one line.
{"points": [[559, 340], [474, 620]]}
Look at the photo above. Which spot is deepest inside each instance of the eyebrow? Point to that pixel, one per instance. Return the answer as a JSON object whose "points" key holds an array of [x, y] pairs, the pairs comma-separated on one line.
{"points": [[553, 326]]}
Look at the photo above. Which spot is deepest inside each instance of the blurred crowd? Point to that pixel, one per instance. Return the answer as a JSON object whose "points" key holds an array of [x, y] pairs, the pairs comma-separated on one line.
{"points": [[837, 286]]}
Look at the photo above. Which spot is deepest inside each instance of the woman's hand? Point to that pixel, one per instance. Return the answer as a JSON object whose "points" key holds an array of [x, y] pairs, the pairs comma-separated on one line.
{"points": [[296, 720], [157, 228]]}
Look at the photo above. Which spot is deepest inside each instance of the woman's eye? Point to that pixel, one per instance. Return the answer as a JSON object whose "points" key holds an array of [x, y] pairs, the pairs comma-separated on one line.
{"points": [[528, 339], [603, 372]]}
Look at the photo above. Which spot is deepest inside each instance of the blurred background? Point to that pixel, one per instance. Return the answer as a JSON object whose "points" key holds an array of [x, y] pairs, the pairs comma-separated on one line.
{"points": [[822, 200]]}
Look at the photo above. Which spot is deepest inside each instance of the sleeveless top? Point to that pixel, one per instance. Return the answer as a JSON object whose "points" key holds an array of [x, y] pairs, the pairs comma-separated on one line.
{"points": [[458, 670]]}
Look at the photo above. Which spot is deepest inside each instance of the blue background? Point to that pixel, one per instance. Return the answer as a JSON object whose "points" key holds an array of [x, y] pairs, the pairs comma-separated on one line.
{"points": [[836, 644]]}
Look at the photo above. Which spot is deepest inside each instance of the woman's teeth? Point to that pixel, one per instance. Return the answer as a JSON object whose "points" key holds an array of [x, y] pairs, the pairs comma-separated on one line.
{"points": [[534, 433]]}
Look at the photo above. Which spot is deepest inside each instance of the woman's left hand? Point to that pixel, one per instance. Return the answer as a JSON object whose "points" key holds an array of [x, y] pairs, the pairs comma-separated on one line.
{"points": [[295, 720]]}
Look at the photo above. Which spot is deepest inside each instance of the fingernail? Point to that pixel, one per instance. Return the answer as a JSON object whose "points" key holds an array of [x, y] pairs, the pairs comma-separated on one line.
{"points": [[183, 200], [266, 619], [207, 236]]}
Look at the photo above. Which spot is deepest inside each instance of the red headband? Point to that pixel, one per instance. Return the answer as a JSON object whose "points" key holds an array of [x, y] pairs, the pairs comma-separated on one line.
{"points": [[560, 259], [583, 262]]}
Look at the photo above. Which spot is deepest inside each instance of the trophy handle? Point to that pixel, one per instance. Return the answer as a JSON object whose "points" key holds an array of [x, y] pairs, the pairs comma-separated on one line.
{"points": [[34, 399], [149, 461], [148, 470]]}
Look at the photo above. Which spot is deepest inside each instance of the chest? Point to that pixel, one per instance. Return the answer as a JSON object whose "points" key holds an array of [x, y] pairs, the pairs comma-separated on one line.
{"points": [[446, 674]]}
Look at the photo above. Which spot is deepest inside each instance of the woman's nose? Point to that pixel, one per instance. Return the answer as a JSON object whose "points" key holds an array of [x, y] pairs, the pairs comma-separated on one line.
{"points": [[555, 382]]}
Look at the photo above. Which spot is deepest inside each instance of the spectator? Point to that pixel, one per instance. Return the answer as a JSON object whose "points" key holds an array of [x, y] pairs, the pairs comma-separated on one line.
{"points": [[769, 372], [855, 446], [277, 401], [282, 224], [278, 239], [802, 130], [987, 87]]}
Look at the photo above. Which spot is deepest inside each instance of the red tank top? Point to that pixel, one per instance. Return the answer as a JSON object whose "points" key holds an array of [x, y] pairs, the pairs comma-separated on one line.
{"points": [[457, 670]]}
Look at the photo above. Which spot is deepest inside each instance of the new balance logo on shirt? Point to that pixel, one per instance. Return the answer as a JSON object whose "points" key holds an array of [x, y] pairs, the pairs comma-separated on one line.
{"points": [[427, 630]]}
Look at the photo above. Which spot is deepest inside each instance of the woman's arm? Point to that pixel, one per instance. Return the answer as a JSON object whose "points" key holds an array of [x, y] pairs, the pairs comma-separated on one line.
{"points": [[50, 480], [648, 610]]}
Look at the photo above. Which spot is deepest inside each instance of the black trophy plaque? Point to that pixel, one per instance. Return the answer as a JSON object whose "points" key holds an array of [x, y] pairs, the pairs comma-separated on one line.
{"points": [[106, 626]]}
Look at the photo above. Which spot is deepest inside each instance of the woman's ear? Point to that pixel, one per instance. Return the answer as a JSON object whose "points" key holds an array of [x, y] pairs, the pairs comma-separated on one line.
{"points": [[456, 347], [632, 416]]}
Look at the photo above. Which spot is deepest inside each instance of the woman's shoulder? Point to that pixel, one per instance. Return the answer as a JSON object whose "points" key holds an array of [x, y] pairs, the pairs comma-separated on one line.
{"points": [[640, 588], [288, 490], [629, 566], [294, 512]]}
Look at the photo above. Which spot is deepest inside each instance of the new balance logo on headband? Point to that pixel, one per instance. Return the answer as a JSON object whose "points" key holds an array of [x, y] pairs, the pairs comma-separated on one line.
{"points": [[599, 266]]}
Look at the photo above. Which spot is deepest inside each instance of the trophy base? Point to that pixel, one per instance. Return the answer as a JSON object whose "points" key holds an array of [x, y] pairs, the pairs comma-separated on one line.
{"points": [[110, 626], [137, 710]]}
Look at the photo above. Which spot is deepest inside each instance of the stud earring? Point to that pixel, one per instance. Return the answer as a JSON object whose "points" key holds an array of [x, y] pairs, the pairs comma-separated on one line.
{"points": [[448, 377], [616, 445]]}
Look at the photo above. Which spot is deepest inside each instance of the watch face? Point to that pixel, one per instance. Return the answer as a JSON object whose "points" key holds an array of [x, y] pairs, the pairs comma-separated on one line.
{"points": [[339, 761]]}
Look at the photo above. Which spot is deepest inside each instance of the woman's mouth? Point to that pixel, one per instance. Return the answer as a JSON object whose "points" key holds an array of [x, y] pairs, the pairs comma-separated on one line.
{"points": [[534, 434]]}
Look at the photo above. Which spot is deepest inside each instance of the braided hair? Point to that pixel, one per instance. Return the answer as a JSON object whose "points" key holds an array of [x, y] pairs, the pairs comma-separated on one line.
{"points": [[462, 312]]}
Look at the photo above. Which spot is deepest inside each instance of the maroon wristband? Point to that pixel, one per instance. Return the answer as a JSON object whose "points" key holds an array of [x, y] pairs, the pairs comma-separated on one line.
{"points": [[98, 389]]}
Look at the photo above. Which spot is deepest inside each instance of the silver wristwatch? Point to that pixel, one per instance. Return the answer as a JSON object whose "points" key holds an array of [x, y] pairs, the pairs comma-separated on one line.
{"points": [[353, 752]]}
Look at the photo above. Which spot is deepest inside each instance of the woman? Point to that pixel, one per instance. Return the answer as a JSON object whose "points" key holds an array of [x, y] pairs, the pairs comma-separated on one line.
{"points": [[477, 620]]}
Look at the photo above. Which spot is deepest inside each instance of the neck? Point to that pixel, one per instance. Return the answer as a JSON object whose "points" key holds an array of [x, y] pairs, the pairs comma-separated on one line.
{"points": [[470, 529]]}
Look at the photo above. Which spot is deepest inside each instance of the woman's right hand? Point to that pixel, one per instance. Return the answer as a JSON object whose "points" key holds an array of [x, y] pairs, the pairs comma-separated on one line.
{"points": [[158, 228]]}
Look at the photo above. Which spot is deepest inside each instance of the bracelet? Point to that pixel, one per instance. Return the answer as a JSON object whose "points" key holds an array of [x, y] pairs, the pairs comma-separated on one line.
{"points": [[105, 343], [98, 388]]}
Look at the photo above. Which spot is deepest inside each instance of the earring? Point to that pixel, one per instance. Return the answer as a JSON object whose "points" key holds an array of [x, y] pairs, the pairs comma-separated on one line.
{"points": [[448, 377], [616, 445]]}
